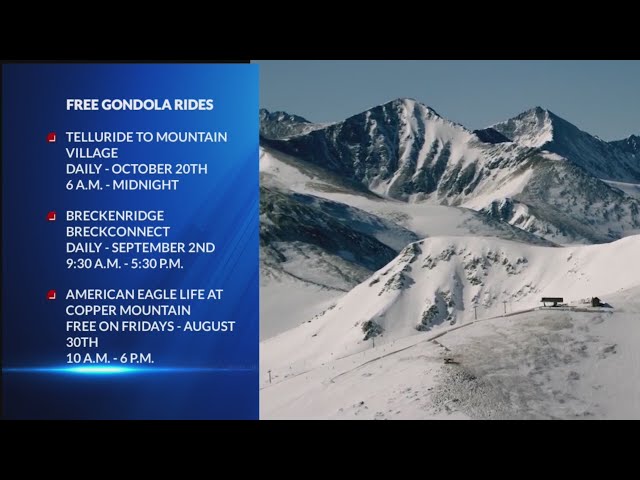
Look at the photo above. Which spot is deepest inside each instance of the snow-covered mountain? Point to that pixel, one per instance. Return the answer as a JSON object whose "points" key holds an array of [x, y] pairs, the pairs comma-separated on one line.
{"points": [[629, 145], [558, 200], [319, 237], [407, 173], [283, 124], [402, 150], [540, 128], [437, 282], [406, 151], [319, 249], [288, 174], [385, 235]]}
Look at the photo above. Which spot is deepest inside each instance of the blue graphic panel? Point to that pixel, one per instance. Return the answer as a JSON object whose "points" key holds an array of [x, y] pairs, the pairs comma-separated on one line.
{"points": [[193, 169]]}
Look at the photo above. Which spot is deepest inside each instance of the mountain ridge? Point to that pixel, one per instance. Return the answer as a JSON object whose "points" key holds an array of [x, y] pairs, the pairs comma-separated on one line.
{"points": [[543, 129], [406, 151]]}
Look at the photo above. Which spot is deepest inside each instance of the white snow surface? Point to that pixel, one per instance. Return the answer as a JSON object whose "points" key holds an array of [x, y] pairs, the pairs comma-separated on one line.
{"points": [[545, 364], [454, 274], [288, 303], [505, 188], [532, 128]]}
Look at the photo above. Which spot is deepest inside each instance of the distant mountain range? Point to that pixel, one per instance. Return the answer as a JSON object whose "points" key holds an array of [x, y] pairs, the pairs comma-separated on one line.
{"points": [[535, 171], [540, 128]]}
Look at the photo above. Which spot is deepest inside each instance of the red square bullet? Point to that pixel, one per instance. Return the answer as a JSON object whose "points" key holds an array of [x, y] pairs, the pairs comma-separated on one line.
{"points": [[51, 138], [51, 216], [51, 295]]}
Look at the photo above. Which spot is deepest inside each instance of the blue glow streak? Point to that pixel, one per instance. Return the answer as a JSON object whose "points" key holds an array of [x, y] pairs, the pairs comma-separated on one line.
{"points": [[118, 370], [99, 370]]}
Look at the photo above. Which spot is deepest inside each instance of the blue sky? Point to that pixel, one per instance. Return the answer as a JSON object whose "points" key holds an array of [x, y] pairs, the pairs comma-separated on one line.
{"points": [[600, 97]]}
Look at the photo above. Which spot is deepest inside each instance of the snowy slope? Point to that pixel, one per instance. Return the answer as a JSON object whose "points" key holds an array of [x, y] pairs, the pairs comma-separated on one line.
{"points": [[540, 365], [286, 301], [313, 250], [435, 282], [424, 219], [563, 203], [533, 128]]}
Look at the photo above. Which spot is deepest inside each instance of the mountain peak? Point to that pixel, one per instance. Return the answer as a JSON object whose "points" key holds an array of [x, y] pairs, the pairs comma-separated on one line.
{"points": [[541, 128], [399, 111], [281, 116], [405, 101], [538, 110], [532, 128], [281, 124], [631, 144], [540, 115], [409, 105]]}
